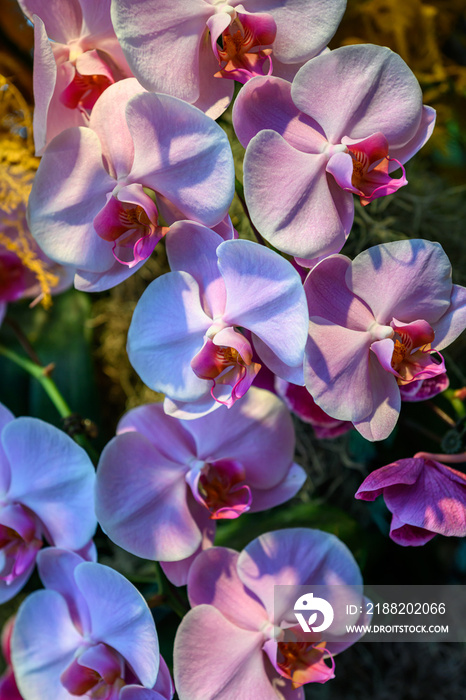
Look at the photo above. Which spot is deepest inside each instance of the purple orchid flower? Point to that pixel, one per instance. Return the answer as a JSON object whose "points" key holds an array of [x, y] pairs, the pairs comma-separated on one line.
{"points": [[350, 118], [193, 49], [90, 633], [376, 324], [39, 497], [98, 192], [76, 57], [425, 497], [186, 337], [231, 644], [162, 483]]}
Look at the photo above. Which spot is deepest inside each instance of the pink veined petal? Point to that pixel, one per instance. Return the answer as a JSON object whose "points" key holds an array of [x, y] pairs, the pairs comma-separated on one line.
{"points": [[435, 502], [328, 296], [296, 556], [193, 248], [423, 134], [108, 120], [61, 498], [403, 279], [379, 423], [265, 103], [167, 330], [141, 500], [96, 17], [274, 364], [44, 79], [264, 295], [303, 28], [167, 434], [62, 18], [292, 201], [453, 322], [56, 570], [189, 410], [355, 91], [404, 471], [161, 39], [44, 642], [120, 618], [182, 154], [409, 535], [336, 370], [69, 190], [424, 389], [231, 665], [213, 580]]}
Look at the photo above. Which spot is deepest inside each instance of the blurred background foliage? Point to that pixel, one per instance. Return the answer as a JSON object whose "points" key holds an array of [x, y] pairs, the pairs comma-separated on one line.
{"points": [[84, 338]]}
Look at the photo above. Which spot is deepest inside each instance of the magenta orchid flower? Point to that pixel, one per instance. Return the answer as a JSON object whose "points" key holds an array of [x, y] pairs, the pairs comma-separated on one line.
{"points": [[76, 57], [98, 192], [163, 482], [40, 498], [350, 118], [186, 337], [193, 49], [376, 324], [426, 498], [89, 633], [231, 644]]}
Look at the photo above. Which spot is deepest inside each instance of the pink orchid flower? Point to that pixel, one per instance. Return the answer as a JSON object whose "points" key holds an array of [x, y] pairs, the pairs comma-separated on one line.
{"points": [[231, 644], [162, 483], [39, 499], [378, 324], [98, 192], [90, 634], [425, 497], [76, 57], [192, 49], [186, 337], [349, 119]]}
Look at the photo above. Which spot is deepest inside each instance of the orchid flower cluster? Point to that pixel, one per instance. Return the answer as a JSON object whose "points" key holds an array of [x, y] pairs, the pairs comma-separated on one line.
{"points": [[127, 93]]}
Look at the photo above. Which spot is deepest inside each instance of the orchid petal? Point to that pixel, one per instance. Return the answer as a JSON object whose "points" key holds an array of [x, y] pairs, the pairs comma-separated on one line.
{"points": [[61, 498], [302, 212], [230, 669], [409, 535], [62, 18], [263, 499], [44, 79], [403, 279], [423, 134], [183, 154], [265, 103], [148, 31], [152, 518], [213, 580], [193, 248], [166, 331], [453, 322], [386, 404], [69, 190], [120, 618], [44, 642], [264, 295], [108, 120], [336, 370], [372, 89]]}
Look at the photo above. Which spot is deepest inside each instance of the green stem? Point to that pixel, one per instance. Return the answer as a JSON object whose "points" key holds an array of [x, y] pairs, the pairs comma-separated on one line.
{"points": [[41, 374]]}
